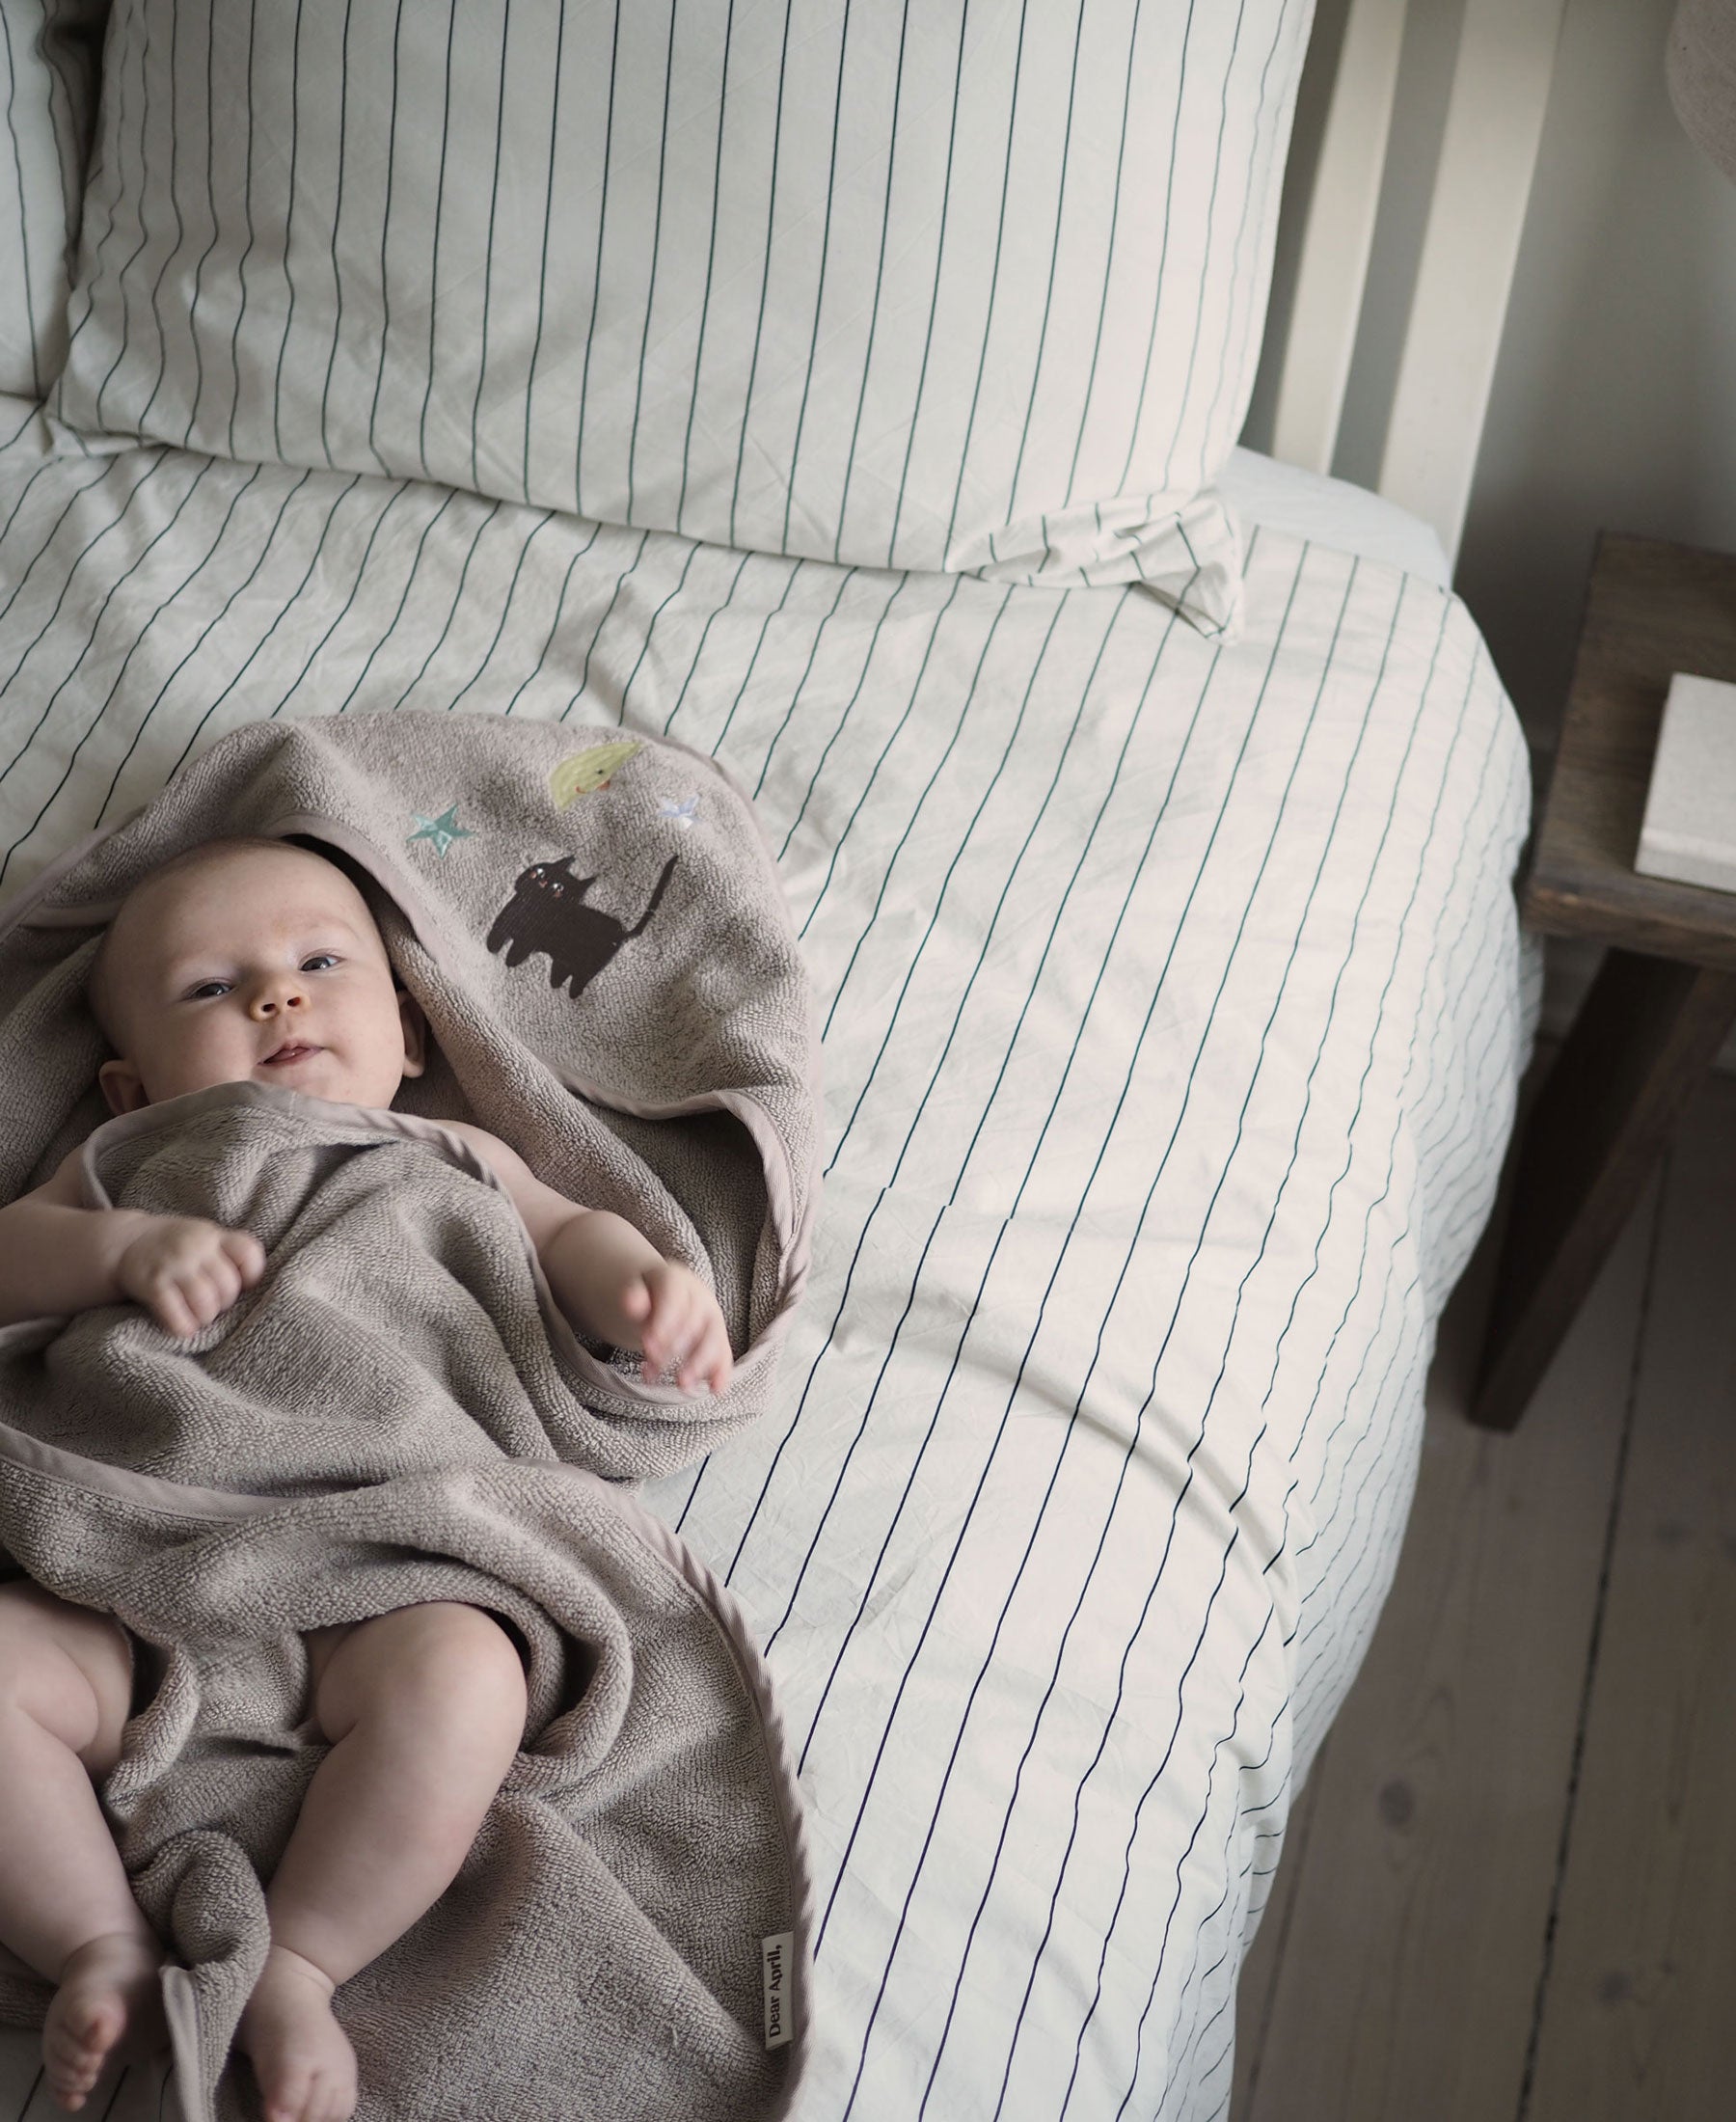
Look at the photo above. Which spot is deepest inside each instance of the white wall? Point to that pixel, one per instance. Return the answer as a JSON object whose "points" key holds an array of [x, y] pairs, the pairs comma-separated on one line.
{"points": [[1615, 398]]}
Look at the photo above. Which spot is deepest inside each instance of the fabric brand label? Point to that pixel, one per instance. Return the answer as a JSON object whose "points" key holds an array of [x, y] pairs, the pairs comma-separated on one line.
{"points": [[777, 1967]]}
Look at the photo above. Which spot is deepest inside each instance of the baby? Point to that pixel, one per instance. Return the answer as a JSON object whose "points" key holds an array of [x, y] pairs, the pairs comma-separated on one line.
{"points": [[253, 960]]}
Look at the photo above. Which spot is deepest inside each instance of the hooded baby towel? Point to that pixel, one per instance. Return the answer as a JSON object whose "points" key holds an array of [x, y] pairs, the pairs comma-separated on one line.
{"points": [[397, 1412], [595, 929]]}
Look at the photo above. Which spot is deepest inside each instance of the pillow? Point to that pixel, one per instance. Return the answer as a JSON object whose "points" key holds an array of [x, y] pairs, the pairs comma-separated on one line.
{"points": [[972, 287], [48, 72]]}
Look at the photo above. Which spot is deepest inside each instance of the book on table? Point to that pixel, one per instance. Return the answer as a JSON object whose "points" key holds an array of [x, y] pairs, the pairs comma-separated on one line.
{"points": [[1689, 834]]}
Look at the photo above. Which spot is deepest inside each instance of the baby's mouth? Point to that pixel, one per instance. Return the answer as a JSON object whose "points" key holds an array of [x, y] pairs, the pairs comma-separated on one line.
{"points": [[293, 1051]]}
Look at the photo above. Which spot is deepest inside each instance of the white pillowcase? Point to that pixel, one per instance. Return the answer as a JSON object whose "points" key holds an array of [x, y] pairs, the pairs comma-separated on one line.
{"points": [[968, 287], [48, 72]]}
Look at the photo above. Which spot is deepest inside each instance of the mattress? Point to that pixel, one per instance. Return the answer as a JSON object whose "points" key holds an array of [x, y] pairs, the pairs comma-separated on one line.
{"points": [[1263, 493], [1173, 1006]]}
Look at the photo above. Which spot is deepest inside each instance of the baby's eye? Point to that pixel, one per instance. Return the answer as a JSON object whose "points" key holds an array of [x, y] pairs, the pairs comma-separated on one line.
{"points": [[221, 987]]}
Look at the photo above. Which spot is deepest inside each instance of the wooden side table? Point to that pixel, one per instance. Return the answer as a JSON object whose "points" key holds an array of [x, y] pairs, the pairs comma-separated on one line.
{"points": [[1666, 995]]}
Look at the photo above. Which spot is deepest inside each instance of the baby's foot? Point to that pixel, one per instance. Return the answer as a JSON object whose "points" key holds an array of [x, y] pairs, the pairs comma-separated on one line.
{"points": [[108, 1993], [301, 2057]]}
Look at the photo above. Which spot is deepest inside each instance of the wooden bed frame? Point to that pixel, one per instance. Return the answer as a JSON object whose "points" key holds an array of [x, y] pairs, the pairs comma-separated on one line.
{"points": [[1335, 185]]}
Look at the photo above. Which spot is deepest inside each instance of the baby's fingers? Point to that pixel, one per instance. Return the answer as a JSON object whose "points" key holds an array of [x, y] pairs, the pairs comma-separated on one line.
{"points": [[663, 1343], [664, 1316], [669, 1331], [706, 1359], [200, 1293], [708, 1366], [715, 1357], [248, 1255], [210, 1290], [174, 1314]]}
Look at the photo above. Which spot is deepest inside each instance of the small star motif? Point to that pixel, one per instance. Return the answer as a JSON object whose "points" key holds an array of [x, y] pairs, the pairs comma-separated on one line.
{"points": [[441, 830], [682, 814]]}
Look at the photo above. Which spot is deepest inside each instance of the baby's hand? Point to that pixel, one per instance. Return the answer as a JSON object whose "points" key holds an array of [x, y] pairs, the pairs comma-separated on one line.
{"points": [[187, 1271], [680, 1329]]}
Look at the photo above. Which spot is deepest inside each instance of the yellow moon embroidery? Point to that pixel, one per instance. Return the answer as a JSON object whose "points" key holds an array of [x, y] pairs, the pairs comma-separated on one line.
{"points": [[589, 770]]}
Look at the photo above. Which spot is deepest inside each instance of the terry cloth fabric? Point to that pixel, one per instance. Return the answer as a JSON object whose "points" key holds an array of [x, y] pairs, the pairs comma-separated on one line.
{"points": [[397, 1412], [387, 1419], [595, 929]]}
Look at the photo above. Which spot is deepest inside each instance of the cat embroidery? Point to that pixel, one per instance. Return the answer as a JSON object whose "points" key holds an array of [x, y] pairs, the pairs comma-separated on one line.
{"points": [[547, 913]]}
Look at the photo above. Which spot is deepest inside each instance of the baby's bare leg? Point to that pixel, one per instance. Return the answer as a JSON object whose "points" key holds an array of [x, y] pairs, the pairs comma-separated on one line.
{"points": [[425, 1709], [65, 1907]]}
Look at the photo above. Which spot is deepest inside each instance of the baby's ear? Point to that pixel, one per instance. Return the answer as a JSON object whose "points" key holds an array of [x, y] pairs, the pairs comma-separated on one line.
{"points": [[122, 1086], [415, 1032]]}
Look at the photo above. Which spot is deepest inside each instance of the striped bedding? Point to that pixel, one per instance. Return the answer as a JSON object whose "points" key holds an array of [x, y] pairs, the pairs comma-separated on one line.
{"points": [[1173, 1005], [952, 286]]}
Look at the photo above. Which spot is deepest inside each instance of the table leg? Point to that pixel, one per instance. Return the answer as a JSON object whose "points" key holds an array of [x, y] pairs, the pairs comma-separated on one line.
{"points": [[1647, 1033]]}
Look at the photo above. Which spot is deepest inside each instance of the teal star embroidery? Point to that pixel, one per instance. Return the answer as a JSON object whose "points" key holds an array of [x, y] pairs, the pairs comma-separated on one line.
{"points": [[441, 830]]}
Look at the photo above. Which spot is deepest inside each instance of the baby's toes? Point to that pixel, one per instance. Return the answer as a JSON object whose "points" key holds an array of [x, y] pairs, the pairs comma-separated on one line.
{"points": [[76, 2043], [70, 2079], [89, 2025], [287, 2100], [317, 2090], [323, 2095], [295, 2096], [339, 2100], [301, 2057]]}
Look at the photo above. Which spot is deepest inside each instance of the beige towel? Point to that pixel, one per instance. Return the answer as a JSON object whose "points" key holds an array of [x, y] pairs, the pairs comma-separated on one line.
{"points": [[594, 927], [397, 1411]]}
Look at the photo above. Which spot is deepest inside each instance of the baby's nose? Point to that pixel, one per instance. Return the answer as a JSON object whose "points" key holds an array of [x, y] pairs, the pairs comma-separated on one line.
{"points": [[278, 990]]}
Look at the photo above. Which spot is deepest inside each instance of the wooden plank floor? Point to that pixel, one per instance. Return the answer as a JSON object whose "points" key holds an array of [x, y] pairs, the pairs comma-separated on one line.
{"points": [[139, 2094], [1508, 1891]]}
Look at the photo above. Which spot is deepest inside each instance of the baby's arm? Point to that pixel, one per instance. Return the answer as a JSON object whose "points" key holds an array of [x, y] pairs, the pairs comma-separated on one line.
{"points": [[58, 1256], [611, 1281]]}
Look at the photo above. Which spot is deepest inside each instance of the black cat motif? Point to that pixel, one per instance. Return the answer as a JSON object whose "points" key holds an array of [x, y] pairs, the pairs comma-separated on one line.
{"points": [[547, 913]]}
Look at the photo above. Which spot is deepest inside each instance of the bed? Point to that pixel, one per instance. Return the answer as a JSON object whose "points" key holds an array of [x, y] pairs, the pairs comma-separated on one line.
{"points": [[1153, 856]]}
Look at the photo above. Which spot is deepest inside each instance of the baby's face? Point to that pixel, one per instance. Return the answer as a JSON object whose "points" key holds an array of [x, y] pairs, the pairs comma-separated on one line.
{"points": [[260, 966]]}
